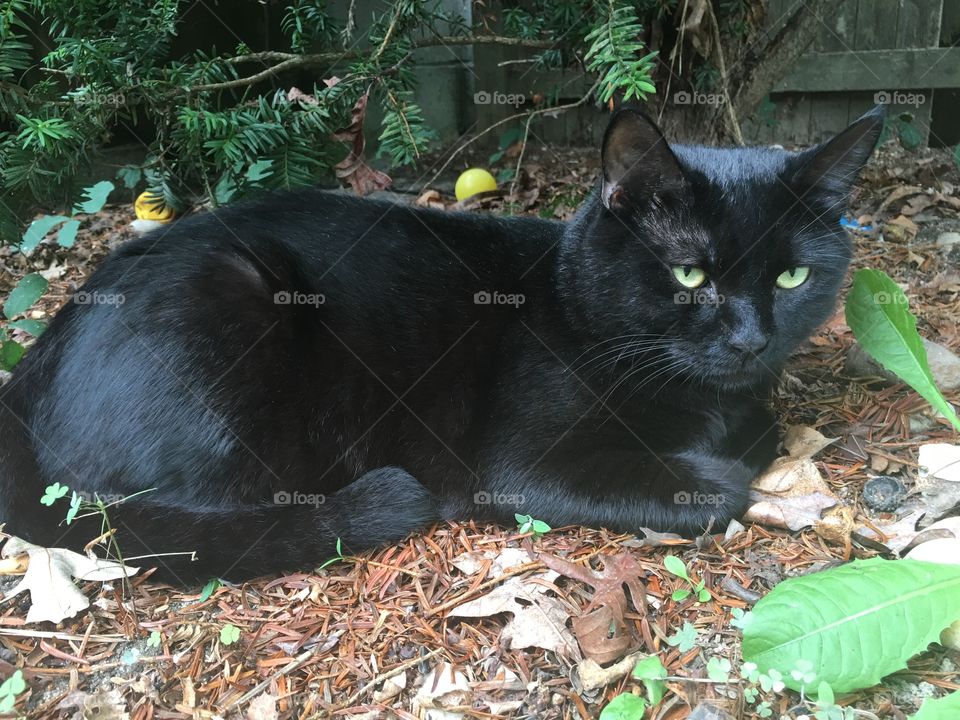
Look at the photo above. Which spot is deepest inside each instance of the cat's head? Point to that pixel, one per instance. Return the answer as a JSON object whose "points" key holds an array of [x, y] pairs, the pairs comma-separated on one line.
{"points": [[712, 265]]}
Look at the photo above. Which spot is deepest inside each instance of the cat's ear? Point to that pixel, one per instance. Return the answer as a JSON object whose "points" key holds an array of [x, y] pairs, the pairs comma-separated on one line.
{"points": [[829, 170], [638, 164]]}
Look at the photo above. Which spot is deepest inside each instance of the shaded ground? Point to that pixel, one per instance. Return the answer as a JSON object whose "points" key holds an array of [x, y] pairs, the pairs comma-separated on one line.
{"points": [[322, 644]]}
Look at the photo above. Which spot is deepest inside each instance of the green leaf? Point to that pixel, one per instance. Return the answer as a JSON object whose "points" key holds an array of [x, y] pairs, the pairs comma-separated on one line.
{"points": [[34, 327], [155, 639], [740, 618], [74, 508], [11, 353], [130, 176], [684, 639], [25, 294], [651, 671], [96, 197], [68, 233], [945, 708], [259, 170], [229, 634], [680, 595], [624, 707], [879, 316], [910, 136], [52, 493], [675, 565], [209, 589], [38, 230], [540, 527], [825, 694], [703, 595], [718, 669], [888, 610], [11, 687]]}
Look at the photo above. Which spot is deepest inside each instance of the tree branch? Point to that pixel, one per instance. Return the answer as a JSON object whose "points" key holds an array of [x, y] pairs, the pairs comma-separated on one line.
{"points": [[291, 61], [778, 55]]}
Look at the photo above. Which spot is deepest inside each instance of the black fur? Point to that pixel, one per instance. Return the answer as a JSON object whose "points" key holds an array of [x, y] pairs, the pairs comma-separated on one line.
{"points": [[598, 400]]}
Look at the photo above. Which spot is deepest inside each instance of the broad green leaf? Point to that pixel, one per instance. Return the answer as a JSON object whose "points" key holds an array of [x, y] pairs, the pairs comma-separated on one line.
{"points": [[34, 327], [675, 565], [881, 320], [38, 230], [25, 294], [96, 197], [68, 233], [945, 708], [856, 623], [209, 589], [651, 671], [624, 707], [10, 354]]}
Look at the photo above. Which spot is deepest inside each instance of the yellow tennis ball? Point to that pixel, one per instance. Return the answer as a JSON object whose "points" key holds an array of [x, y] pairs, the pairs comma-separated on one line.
{"points": [[473, 181], [149, 206]]}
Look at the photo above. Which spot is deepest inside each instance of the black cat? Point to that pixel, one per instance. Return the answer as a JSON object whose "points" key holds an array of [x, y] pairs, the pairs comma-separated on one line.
{"points": [[313, 366]]}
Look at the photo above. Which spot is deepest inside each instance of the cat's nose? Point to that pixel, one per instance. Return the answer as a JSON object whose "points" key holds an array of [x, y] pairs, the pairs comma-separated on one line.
{"points": [[749, 342]]}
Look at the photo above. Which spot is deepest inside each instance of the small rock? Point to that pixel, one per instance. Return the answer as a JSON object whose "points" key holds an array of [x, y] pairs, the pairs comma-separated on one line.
{"points": [[884, 493], [732, 529], [944, 365], [923, 421], [948, 238], [706, 711]]}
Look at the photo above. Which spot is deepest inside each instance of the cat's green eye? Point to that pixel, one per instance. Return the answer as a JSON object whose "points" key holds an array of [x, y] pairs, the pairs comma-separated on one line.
{"points": [[794, 277], [689, 276]]}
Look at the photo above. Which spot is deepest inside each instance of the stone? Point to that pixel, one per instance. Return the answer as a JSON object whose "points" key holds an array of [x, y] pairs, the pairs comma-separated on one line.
{"points": [[706, 711], [883, 493], [948, 238], [944, 365]]}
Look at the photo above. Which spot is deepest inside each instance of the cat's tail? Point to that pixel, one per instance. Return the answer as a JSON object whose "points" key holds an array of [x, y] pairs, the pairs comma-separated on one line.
{"points": [[189, 544]]}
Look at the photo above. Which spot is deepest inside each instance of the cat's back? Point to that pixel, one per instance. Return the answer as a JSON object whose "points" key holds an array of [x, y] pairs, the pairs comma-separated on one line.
{"points": [[307, 216]]}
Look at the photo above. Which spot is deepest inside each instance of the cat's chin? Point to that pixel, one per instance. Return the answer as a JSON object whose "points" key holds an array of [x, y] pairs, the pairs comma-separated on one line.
{"points": [[740, 380]]}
